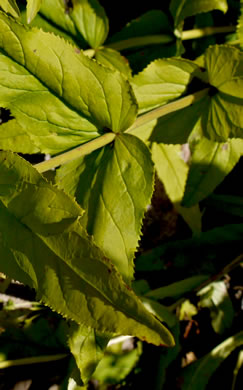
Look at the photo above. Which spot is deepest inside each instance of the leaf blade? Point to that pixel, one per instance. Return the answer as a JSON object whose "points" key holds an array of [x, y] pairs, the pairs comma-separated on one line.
{"points": [[56, 257]]}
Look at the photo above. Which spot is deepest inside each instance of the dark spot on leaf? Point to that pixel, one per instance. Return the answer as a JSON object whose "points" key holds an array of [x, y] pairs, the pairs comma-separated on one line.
{"points": [[34, 51], [77, 50]]}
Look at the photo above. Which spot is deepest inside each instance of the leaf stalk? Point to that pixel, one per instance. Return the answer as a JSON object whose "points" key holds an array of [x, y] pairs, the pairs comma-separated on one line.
{"points": [[32, 360], [107, 138], [167, 38]]}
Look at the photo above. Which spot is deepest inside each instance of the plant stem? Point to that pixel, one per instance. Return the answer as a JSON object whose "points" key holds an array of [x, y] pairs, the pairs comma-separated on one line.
{"points": [[167, 109], [107, 138], [205, 31], [32, 360], [141, 41], [80, 151], [166, 38]]}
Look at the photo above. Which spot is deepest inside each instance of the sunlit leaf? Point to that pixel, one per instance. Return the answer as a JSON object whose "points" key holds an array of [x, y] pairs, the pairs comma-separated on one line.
{"points": [[11, 7], [113, 186], [171, 168], [113, 59], [43, 244], [162, 81], [90, 20], [33, 7], [63, 97]]}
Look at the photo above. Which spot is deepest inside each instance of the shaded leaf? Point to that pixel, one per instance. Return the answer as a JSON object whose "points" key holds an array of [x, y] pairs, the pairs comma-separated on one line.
{"points": [[176, 127], [88, 348], [13, 137], [210, 163], [114, 186], [90, 20], [151, 22], [33, 7], [43, 244], [177, 289], [117, 363], [162, 81], [206, 248], [197, 375], [160, 311], [228, 204], [192, 216], [182, 9], [216, 298]]}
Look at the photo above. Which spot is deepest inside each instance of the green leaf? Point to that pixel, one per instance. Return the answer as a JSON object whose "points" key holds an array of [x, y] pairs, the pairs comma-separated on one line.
{"points": [[117, 363], [226, 203], [91, 21], [182, 9], [88, 347], [33, 7], [206, 248], [50, 73], [50, 131], [114, 186], [11, 7], [175, 128], [196, 376], [178, 288], [43, 244], [210, 163], [171, 168], [57, 13], [13, 137], [162, 81], [239, 365], [240, 25], [149, 23], [215, 297], [113, 59], [160, 311], [224, 65]]}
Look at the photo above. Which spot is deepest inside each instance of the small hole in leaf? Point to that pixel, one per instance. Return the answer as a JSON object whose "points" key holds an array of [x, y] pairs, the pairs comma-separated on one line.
{"points": [[5, 115]]}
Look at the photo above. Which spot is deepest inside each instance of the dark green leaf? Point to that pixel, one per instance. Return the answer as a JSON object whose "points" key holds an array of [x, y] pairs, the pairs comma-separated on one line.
{"points": [[197, 375]]}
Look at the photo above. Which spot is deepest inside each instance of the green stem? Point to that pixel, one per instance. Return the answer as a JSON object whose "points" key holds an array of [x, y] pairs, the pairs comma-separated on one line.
{"points": [[107, 138], [168, 108], [205, 31], [32, 360], [80, 151], [141, 41], [166, 38]]}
